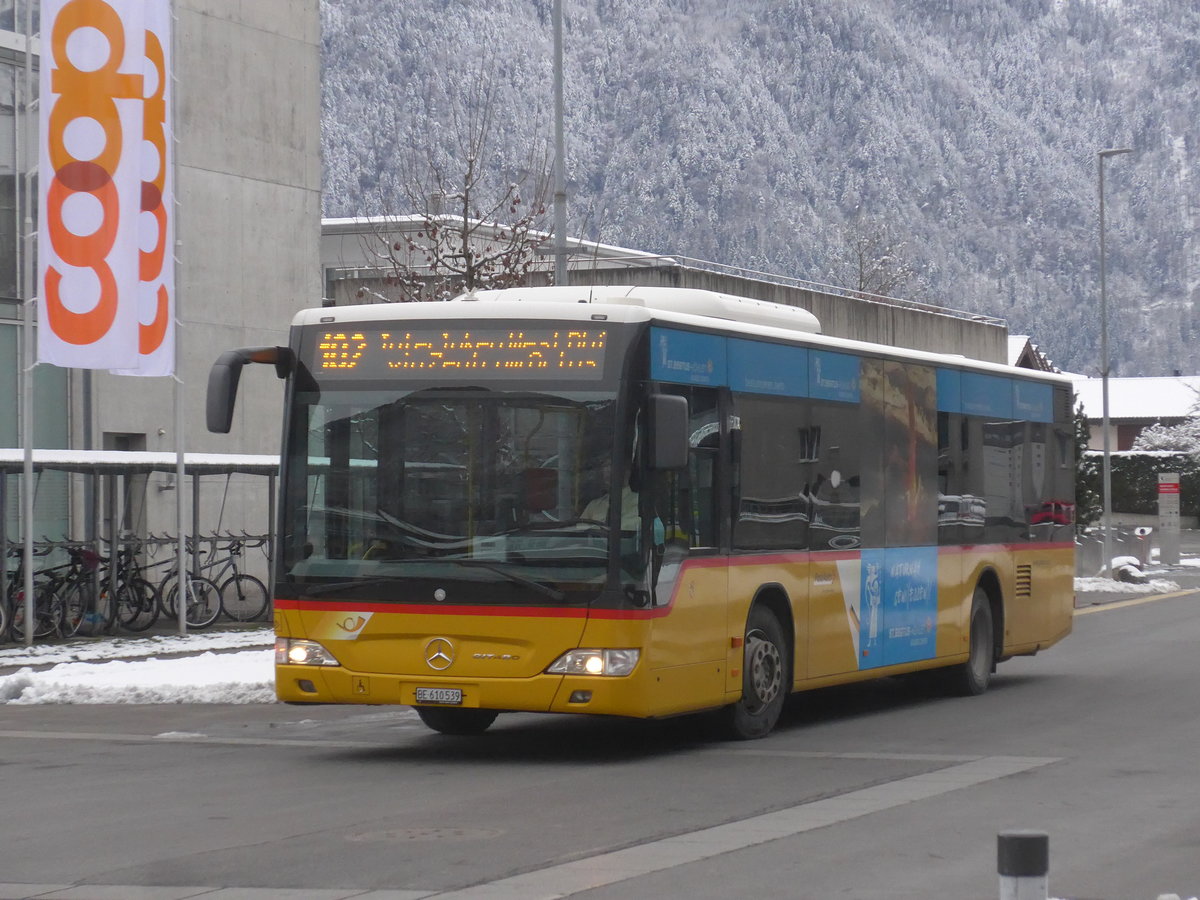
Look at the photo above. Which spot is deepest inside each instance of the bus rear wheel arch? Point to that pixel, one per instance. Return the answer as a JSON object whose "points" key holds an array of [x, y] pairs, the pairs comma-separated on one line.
{"points": [[972, 677]]}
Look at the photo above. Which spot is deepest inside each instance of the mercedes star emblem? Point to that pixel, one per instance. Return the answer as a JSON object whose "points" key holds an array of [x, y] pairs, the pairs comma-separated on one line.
{"points": [[439, 654]]}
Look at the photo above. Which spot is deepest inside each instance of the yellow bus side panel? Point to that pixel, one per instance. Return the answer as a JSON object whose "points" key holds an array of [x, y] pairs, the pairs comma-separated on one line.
{"points": [[833, 616], [1040, 607], [687, 652], [954, 605], [1038, 590]]}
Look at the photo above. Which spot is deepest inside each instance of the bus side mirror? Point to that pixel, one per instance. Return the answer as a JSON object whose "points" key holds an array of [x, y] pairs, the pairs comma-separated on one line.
{"points": [[225, 374], [668, 431]]}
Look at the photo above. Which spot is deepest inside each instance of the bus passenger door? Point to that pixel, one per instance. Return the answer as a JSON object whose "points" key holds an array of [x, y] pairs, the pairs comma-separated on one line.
{"points": [[687, 638]]}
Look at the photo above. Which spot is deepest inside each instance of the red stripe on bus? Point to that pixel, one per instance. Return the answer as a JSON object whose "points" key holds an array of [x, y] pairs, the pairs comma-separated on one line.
{"points": [[433, 609], [657, 612], [1008, 548]]}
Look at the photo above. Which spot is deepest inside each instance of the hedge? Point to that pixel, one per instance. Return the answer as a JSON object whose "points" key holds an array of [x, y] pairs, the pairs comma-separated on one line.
{"points": [[1135, 480]]}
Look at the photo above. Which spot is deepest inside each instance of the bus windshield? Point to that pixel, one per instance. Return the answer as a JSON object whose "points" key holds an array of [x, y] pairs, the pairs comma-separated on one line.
{"points": [[392, 486]]}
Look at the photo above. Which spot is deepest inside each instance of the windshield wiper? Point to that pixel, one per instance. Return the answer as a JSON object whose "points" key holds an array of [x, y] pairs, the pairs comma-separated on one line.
{"points": [[553, 593], [314, 590]]}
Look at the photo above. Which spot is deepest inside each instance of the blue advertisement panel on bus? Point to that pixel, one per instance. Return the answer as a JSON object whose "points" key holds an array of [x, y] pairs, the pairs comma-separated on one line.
{"points": [[898, 613], [758, 367]]}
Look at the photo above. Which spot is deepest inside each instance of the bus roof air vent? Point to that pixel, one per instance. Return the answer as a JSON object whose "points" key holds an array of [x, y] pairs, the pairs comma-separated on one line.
{"points": [[684, 301]]}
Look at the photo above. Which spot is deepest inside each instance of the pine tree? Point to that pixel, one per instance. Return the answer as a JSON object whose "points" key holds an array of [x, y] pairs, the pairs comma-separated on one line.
{"points": [[1088, 475]]}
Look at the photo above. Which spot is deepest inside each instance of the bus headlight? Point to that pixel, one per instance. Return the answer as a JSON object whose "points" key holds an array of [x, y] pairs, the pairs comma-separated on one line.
{"points": [[293, 652], [595, 662]]}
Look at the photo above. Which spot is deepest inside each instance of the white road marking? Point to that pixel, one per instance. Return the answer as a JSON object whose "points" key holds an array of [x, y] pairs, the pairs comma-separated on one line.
{"points": [[609, 868], [177, 737]]}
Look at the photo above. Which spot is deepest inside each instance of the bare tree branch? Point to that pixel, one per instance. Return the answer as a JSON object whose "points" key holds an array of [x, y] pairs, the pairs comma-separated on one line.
{"points": [[471, 230], [874, 261]]}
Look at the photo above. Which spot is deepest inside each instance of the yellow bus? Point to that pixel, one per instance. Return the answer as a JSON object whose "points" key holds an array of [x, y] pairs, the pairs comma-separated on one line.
{"points": [[647, 502]]}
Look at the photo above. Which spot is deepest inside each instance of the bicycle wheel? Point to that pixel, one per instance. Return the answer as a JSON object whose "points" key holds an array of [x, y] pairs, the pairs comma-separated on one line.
{"points": [[203, 601], [85, 612], [167, 588], [47, 612], [79, 608], [137, 604], [244, 598], [166, 596], [167, 591]]}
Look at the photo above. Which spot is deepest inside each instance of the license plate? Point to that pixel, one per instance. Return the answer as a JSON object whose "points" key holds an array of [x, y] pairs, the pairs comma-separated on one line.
{"points": [[447, 696]]}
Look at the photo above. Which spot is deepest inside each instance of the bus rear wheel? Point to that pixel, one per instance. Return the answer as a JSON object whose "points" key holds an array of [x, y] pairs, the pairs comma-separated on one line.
{"points": [[972, 678], [453, 720], [764, 679]]}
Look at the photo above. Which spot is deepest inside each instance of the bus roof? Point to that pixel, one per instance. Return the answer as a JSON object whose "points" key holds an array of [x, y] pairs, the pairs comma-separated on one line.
{"points": [[629, 303]]}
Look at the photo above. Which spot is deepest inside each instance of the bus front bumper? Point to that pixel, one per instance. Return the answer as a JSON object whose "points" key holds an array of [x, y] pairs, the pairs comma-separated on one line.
{"points": [[597, 695]]}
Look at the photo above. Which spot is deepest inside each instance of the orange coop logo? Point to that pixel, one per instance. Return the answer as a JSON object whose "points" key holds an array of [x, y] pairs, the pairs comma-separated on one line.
{"points": [[93, 104]]}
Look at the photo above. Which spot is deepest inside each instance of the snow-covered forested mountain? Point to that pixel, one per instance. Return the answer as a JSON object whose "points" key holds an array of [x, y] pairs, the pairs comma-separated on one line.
{"points": [[766, 133]]}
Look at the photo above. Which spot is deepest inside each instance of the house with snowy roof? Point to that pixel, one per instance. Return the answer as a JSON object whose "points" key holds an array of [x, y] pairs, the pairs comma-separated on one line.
{"points": [[1135, 404], [1025, 354]]}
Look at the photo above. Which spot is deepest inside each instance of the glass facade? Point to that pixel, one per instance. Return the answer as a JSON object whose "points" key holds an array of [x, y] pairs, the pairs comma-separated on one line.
{"points": [[50, 383]]}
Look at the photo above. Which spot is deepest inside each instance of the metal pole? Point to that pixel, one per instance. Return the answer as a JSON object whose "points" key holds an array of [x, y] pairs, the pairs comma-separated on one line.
{"points": [[1108, 567], [560, 164], [30, 356], [181, 567], [4, 535]]}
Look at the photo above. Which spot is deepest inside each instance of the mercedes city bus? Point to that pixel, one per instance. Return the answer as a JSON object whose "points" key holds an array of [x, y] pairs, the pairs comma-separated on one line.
{"points": [[647, 502]]}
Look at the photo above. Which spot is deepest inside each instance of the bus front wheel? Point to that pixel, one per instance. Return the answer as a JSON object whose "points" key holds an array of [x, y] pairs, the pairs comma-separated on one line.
{"points": [[452, 720], [972, 677], [764, 678]]}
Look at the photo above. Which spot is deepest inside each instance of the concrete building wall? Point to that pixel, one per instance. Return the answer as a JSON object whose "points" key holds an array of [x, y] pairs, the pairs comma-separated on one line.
{"points": [[354, 273], [913, 327], [248, 235]]}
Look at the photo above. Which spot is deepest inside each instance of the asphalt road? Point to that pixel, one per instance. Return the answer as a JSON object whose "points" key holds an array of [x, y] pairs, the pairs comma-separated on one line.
{"points": [[886, 791]]}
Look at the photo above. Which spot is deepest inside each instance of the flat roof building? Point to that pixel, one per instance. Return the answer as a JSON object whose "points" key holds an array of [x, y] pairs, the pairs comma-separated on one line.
{"points": [[248, 182]]}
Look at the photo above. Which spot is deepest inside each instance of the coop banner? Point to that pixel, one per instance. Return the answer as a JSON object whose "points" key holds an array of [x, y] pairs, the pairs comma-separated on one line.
{"points": [[92, 143], [156, 219]]}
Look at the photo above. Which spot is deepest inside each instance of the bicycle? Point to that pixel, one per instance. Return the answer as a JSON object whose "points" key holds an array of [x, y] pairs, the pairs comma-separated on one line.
{"points": [[48, 609], [203, 605], [124, 598], [244, 598], [137, 601], [75, 582], [241, 596]]}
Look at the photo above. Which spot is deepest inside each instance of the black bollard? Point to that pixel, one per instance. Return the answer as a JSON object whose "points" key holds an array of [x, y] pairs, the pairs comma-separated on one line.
{"points": [[1023, 861]]}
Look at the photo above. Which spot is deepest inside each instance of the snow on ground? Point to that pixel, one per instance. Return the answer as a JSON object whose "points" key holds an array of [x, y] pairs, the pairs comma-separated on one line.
{"points": [[1108, 586], [223, 667]]}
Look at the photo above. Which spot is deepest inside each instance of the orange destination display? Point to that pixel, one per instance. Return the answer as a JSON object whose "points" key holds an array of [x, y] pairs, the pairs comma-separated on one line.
{"points": [[512, 351]]}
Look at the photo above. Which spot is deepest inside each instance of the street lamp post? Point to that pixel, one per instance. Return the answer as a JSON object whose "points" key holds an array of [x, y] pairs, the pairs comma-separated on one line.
{"points": [[560, 161], [1101, 156]]}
